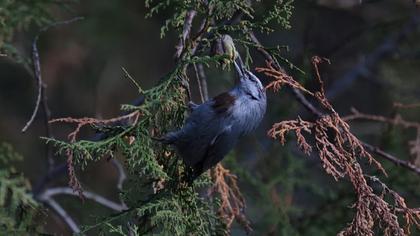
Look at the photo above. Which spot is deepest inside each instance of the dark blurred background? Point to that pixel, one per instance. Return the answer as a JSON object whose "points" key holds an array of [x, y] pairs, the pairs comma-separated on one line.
{"points": [[375, 61]]}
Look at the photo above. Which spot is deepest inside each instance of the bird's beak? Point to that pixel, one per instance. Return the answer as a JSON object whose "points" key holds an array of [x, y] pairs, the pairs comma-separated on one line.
{"points": [[229, 49], [240, 67]]}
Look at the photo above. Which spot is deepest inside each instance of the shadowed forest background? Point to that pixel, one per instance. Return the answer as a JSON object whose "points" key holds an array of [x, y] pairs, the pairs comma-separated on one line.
{"points": [[374, 50]]}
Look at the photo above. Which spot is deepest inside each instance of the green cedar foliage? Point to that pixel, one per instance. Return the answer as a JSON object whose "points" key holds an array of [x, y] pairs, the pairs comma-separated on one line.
{"points": [[20, 15], [17, 206]]}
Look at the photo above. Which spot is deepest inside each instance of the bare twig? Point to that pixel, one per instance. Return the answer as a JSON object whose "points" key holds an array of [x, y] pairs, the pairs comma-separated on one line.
{"points": [[53, 174], [37, 72], [406, 106], [296, 92], [392, 158], [264, 52], [121, 173], [185, 32], [63, 214], [397, 120], [47, 198], [48, 131], [202, 82], [50, 192], [37, 67]]}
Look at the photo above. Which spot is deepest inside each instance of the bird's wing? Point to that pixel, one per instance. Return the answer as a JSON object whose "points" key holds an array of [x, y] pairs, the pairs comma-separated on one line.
{"points": [[218, 148], [195, 136], [202, 129]]}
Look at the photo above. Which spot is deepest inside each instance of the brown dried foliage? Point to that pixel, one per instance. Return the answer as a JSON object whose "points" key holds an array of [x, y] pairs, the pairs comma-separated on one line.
{"points": [[280, 79], [81, 122], [339, 151], [232, 202]]}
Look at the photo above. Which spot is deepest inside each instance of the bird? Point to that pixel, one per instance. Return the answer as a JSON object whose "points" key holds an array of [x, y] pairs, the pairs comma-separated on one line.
{"points": [[213, 128]]}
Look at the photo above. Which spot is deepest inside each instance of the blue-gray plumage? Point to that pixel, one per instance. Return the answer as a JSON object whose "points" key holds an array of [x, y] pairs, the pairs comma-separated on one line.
{"points": [[214, 127]]}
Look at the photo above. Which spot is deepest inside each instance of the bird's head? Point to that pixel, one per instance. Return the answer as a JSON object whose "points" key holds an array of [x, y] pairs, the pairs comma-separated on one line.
{"points": [[247, 80]]}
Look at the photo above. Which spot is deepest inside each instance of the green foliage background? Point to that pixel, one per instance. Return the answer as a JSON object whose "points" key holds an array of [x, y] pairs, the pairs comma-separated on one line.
{"points": [[17, 205]]}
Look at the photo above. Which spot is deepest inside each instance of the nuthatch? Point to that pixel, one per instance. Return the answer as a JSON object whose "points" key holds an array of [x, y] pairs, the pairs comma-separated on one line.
{"points": [[214, 127]]}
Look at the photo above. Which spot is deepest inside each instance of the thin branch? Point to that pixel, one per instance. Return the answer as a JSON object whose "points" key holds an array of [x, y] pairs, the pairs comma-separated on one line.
{"points": [[53, 174], [49, 193], [63, 214], [48, 131], [185, 32], [264, 52], [296, 92], [121, 173], [306, 103], [37, 67], [392, 158], [37, 72], [406, 106], [397, 120], [202, 82], [47, 198]]}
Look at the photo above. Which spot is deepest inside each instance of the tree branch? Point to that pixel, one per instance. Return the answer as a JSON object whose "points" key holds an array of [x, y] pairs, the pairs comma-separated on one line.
{"points": [[50, 192], [63, 214], [185, 32], [47, 198], [37, 67], [202, 82], [121, 173], [391, 158], [42, 94]]}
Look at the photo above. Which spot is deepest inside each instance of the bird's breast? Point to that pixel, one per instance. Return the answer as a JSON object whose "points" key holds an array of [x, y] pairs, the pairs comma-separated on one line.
{"points": [[249, 113]]}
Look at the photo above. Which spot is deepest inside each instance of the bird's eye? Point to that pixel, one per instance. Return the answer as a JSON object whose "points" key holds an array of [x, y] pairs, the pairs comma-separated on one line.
{"points": [[251, 95]]}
